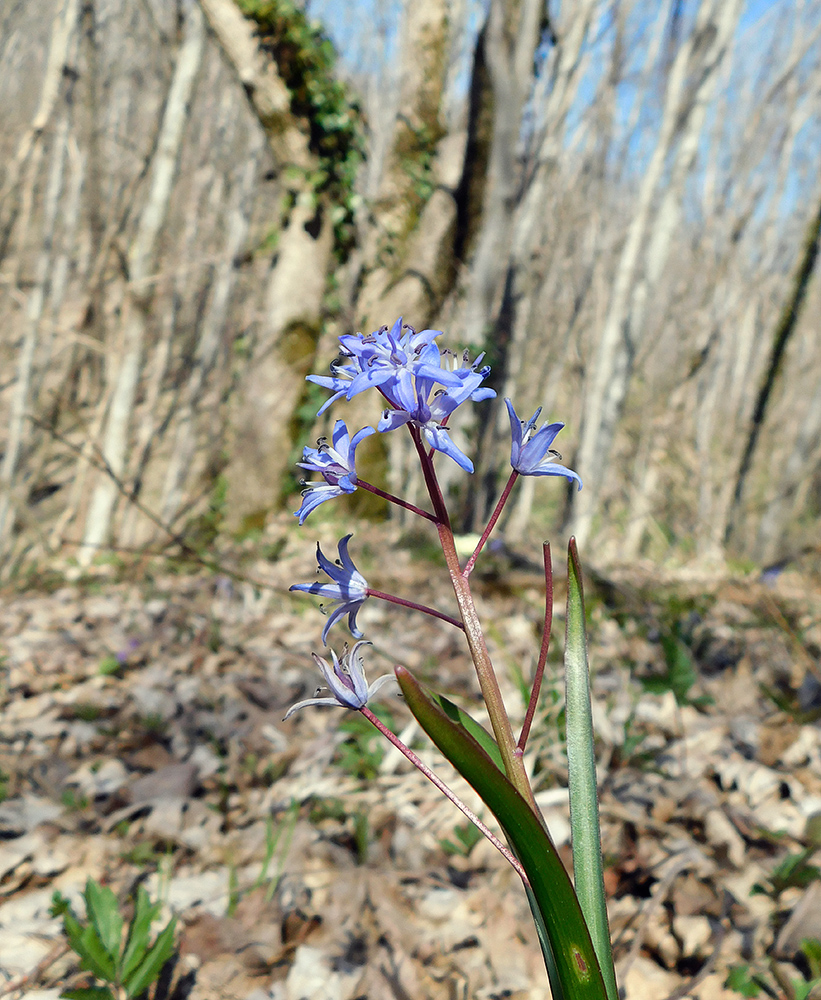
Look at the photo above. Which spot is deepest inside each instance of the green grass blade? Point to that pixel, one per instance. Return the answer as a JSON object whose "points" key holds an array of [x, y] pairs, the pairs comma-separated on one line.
{"points": [[574, 972], [88, 993], [581, 763]]}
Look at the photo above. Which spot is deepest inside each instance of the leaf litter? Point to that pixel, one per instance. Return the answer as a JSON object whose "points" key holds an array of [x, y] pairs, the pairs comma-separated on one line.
{"points": [[142, 743]]}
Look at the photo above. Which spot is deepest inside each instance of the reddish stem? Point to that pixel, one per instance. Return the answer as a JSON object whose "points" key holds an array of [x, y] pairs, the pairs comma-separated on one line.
{"points": [[431, 482], [415, 607], [488, 682], [491, 524], [396, 500], [548, 622], [447, 792]]}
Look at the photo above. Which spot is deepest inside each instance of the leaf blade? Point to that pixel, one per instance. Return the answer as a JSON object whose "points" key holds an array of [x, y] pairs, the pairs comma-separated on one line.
{"points": [[575, 972], [581, 764], [153, 961], [138, 932], [104, 914]]}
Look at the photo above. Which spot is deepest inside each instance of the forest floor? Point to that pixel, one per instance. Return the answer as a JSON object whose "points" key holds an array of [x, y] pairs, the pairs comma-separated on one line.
{"points": [[142, 742]]}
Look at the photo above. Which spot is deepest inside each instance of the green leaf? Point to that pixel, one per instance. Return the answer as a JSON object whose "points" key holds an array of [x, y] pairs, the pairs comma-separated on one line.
{"points": [[85, 941], [138, 932], [680, 675], [149, 969], [104, 914], [547, 949], [575, 970], [94, 956], [581, 763], [89, 993], [477, 731], [740, 980], [802, 989], [73, 928], [59, 904], [465, 838], [811, 949]]}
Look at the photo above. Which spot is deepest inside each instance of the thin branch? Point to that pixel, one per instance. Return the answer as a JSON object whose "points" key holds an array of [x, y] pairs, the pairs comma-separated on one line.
{"points": [[99, 462]]}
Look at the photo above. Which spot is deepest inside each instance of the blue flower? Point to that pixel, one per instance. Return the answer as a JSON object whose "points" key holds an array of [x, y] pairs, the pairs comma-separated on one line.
{"points": [[378, 359], [530, 454], [412, 403], [405, 366], [336, 464], [346, 681], [429, 418], [348, 591]]}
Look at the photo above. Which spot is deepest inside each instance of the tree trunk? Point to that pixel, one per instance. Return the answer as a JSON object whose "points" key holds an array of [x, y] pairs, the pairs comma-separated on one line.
{"points": [[19, 427], [787, 322], [511, 37], [141, 263], [612, 364]]}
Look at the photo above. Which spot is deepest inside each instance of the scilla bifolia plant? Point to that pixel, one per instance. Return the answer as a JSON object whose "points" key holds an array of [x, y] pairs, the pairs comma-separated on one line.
{"points": [[422, 386]]}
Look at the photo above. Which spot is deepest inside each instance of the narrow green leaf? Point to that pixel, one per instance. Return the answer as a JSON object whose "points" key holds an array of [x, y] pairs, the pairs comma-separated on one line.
{"points": [[547, 949], [104, 913], [94, 956], [477, 731], [89, 993], [575, 972], [138, 932], [73, 928], [581, 764], [148, 970]]}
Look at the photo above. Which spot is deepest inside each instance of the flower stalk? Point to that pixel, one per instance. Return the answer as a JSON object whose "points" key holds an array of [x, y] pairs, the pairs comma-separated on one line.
{"points": [[421, 387], [548, 624]]}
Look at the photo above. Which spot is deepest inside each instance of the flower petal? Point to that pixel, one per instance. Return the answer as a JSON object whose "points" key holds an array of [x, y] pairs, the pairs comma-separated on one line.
{"points": [[380, 682], [315, 496], [310, 701], [439, 439]]}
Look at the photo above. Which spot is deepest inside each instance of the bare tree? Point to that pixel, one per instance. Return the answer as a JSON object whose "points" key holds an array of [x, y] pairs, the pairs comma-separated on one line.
{"points": [[689, 85], [608, 200], [126, 358], [784, 330]]}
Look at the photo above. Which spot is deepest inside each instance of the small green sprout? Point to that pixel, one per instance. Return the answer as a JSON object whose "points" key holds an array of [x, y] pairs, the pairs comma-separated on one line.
{"points": [[128, 965]]}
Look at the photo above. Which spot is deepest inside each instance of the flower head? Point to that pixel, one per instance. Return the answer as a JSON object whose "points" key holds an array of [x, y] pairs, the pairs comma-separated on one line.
{"points": [[345, 679], [407, 367], [531, 454], [348, 591], [378, 359], [336, 464]]}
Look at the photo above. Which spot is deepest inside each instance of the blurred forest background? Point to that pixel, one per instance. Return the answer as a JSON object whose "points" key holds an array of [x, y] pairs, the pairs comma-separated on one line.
{"points": [[618, 200]]}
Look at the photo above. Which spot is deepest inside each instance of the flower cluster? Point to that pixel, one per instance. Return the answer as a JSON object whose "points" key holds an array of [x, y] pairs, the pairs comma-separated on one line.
{"points": [[422, 385], [407, 367]]}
